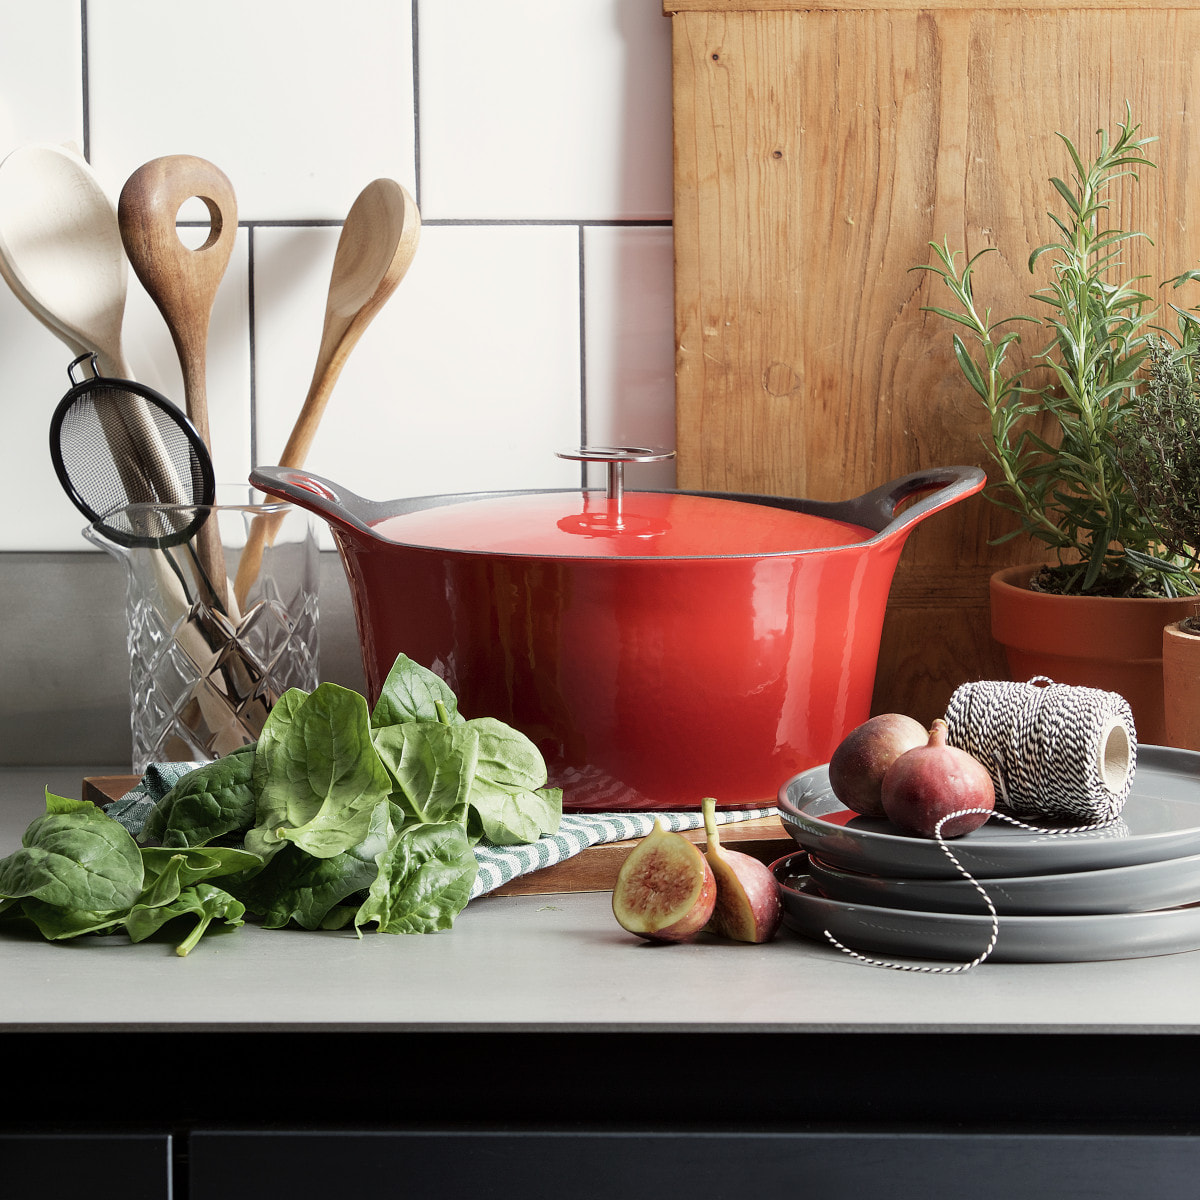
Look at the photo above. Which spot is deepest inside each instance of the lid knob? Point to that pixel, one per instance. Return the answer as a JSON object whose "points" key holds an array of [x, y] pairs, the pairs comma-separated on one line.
{"points": [[616, 457]]}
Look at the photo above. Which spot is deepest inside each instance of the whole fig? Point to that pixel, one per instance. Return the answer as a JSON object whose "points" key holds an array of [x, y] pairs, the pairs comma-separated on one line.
{"points": [[861, 760], [927, 784]]}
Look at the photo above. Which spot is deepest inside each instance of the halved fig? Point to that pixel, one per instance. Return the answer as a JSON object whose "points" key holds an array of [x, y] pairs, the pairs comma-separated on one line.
{"points": [[665, 890], [748, 907]]}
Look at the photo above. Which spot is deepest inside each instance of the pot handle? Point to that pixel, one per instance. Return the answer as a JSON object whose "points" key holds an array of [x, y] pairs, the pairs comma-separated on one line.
{"points": [[329, 500], [942, 486]]}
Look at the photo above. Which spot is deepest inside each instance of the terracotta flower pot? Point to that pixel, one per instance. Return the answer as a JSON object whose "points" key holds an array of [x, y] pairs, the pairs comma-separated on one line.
{"points": [[1088, 641], [1181, 685]]}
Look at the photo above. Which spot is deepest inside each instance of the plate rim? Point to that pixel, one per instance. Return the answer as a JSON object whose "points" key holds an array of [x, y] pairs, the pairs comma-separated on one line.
{"points": [[898, 850], [1030, 931]]}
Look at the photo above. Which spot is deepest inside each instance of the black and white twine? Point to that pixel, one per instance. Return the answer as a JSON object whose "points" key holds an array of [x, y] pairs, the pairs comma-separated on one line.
{"points": [[1054, 751]]}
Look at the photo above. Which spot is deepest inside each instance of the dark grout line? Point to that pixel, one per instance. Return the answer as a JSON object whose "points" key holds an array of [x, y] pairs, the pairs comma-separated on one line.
{"points": [[253, 346], [583, 425], [416, 84], [86, 115], [452, 222], [580, 222]]}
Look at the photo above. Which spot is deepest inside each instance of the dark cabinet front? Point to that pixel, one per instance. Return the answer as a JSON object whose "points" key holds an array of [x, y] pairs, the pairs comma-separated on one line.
{"points": [[70, 1166]]}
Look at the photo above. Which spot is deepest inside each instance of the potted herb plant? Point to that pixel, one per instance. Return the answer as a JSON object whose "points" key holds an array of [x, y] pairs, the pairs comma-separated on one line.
{"points": [[1094, 613], [1158, 449]]}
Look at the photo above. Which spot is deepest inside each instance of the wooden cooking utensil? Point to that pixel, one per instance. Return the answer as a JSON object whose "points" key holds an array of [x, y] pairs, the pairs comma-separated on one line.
{"points": [[61, 254], [183, 282], [375, 249], [60, 250]]}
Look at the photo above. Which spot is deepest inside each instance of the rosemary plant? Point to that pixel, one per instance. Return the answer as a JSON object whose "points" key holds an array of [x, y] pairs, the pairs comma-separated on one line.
{"points": [[1054, 420]]}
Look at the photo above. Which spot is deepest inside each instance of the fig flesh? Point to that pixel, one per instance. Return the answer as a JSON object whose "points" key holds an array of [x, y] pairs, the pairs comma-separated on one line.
{"points": [[665, 890], [858, 765], [748, 907], [927, 784]]}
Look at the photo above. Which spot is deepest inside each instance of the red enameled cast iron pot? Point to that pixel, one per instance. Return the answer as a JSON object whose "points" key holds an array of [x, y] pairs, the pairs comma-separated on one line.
{"points": [[659, 647]]}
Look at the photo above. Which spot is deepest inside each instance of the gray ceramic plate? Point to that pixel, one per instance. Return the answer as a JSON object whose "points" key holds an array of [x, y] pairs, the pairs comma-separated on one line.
{"points": [[1139, 888], [957, 937], [1161, 820]]}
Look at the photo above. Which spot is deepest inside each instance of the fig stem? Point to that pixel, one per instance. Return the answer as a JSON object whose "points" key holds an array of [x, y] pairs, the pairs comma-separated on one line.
{"points": [[709, 807]]}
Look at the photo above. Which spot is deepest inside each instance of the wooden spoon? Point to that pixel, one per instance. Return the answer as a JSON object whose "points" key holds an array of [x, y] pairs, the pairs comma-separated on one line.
{"points": [[375, 249], [61, 254], [60, 250], [183, 282]]}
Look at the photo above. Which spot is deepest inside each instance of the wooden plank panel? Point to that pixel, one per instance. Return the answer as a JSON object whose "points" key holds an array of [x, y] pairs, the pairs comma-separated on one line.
{"points": [[816, 156], [671, 7]]}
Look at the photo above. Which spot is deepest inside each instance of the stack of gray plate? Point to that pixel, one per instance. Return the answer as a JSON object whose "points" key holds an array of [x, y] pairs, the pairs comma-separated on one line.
{"points": [[1127, 890]]}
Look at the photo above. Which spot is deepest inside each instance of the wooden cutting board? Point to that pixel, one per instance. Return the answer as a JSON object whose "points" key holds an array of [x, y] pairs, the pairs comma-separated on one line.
{"points": [[593, 870]]}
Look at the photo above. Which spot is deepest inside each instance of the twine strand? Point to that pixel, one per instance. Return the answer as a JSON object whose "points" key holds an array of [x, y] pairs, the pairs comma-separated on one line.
{"points": [[987, 900], [1054, 752]]}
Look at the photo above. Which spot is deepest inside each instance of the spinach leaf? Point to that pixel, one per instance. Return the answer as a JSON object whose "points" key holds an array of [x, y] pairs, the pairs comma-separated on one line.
{"points": [[509, 820], [203, 901], [340, 916], [508, 760], [412, 692], [274, 734], [508, 795], [296, 886], [193, 864], [57, 924], [74, 857], [424, 881], [210, 802], [431, 766], [319, 776]]}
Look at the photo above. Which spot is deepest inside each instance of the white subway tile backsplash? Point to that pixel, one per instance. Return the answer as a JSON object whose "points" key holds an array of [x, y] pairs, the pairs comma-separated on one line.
{"points": [[629, 347], [467, 380], [41, 74], [41, 100], [33, 374], [540, 302], [33, 379], [291, 100], [540, 109]]}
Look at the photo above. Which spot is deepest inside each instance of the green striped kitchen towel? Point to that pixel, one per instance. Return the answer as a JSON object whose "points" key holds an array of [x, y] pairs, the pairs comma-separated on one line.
{"points": [[497, 864]]}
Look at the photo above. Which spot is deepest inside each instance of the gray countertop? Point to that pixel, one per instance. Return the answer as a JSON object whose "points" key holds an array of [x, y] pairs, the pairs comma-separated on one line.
{"points": [[554, 963]]}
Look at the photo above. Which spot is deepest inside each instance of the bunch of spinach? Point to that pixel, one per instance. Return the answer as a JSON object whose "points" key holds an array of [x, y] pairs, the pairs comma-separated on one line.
{"points": [[79, 871], [335, 817]]}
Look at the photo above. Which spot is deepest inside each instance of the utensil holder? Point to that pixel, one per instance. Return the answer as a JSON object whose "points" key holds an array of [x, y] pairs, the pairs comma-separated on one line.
{"points": [[204, 675]]}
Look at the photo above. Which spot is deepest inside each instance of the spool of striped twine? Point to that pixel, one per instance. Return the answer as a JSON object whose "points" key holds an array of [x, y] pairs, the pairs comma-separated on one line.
{"points": [[1054, 751]]}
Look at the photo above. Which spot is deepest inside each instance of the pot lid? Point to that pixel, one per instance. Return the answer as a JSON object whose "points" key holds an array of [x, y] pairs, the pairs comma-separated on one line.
{"points": [[614, 523]]}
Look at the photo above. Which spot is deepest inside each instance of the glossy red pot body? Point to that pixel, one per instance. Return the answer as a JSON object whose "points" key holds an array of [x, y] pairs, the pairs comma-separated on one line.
{"points": [[649, 680]]}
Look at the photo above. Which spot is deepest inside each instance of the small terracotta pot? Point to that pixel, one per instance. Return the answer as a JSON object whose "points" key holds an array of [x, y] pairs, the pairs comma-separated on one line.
{"points": [[1104, 642], [1181, 685]]}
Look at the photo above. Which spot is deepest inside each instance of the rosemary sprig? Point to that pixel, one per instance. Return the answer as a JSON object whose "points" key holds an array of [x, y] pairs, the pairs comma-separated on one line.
{"points": [[1054, 440]]}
